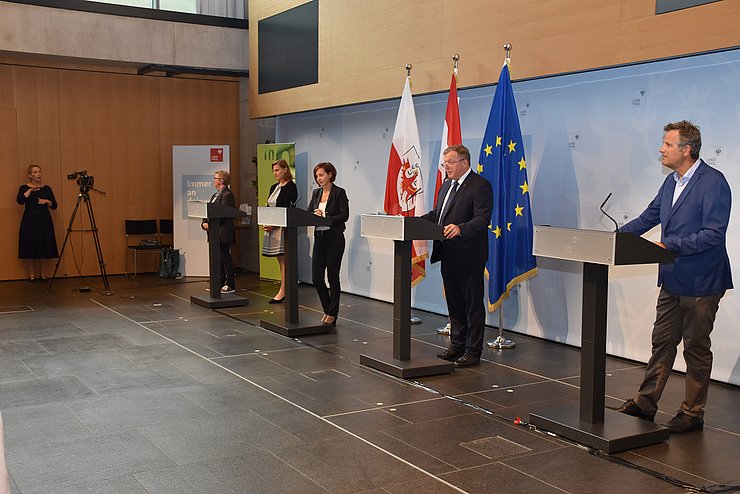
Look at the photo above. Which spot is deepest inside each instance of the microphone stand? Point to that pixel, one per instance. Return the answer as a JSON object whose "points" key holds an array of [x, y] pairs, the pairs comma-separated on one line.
{"points": [[616, 225]]}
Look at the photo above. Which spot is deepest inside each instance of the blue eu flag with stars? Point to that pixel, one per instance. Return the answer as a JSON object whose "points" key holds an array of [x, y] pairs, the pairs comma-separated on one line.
{"points": [[502, 162]]}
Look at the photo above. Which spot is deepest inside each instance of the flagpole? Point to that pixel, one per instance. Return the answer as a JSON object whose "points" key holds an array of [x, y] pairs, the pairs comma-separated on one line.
{"points": [[447, 328], [500, 342], [414, 319]]}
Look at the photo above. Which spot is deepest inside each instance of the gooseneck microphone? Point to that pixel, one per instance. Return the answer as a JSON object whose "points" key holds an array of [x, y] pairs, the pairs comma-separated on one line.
{"points": [[616, 225], [294, 203]]}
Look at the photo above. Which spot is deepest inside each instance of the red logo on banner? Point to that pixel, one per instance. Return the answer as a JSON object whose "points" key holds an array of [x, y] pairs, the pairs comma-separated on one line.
{"points": [[217, 155]]}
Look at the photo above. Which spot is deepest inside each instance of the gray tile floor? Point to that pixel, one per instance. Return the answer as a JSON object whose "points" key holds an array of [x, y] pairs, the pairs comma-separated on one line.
{"points": [[142, 392]]}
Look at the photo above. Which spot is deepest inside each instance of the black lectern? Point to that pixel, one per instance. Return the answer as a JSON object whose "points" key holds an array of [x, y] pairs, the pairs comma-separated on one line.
{"points": [[216, 213], [290, 219], [597, 250], [403, 231]]}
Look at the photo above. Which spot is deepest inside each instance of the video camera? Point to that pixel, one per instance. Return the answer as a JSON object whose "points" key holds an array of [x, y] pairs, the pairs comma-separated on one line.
{"points": [[84, 180]]}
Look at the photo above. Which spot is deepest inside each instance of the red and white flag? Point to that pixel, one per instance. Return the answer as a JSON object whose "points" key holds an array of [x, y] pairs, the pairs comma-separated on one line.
{"points": [[451, 133], [404, 184]]}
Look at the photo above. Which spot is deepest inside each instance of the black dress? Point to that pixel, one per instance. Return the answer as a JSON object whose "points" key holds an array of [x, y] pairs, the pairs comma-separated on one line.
{"points": [[36, 239]]}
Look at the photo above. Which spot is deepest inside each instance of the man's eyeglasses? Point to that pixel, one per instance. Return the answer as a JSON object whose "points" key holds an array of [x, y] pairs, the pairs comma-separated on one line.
{"points": [[217, 178], [446, 162]]}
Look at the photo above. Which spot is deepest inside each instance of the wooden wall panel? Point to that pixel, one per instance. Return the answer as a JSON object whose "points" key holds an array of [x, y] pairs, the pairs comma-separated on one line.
{"points": [[37, 104], [211, 117], [7, 92], [363, 46], [120, 128], [10, 179], [105, 118]]}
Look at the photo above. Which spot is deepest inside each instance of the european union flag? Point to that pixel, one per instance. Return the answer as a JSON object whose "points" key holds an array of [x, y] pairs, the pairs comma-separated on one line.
{"points": [[502, 162]]}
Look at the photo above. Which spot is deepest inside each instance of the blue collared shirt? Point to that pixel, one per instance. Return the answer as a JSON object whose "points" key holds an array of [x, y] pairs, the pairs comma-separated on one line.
{"points": [[682, 181]]}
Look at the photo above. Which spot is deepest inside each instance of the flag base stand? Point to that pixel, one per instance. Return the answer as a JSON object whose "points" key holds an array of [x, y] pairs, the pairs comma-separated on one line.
{"points": [[499, 342], [445, 330], [415, 320]]}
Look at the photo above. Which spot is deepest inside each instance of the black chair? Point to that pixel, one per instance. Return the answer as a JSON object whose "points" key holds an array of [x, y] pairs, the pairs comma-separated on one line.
{"points": [[165, 229], [146, 235]]}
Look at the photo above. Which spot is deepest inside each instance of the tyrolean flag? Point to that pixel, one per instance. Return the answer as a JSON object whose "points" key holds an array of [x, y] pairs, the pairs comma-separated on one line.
{"points": [[404, 185]]}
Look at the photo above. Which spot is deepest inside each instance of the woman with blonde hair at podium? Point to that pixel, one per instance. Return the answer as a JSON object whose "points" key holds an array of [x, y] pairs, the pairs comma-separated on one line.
{"points": [[283, 194]]}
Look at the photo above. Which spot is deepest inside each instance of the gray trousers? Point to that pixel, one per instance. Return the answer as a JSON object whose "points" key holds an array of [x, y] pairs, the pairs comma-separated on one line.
{"points": [[677, 318]]}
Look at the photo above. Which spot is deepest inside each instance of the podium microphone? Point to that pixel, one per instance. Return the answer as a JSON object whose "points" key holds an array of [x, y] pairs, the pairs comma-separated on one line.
{"points": [[616, 225], [294, 203]]}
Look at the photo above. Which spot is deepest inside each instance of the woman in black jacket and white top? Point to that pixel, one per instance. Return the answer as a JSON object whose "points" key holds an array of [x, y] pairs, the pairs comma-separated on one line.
{"points": [[283, 194], [329, 201]]}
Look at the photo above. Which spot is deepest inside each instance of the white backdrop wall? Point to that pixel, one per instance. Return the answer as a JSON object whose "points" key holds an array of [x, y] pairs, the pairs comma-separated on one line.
{"points": [[586, 135], [192, 180]]}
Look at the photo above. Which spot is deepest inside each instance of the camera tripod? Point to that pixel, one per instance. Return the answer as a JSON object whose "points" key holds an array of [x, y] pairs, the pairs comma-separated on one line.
{"points": [[84, 197]]}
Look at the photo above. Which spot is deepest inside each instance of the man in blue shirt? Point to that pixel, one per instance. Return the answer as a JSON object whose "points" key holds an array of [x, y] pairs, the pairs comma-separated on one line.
{"points": [[693, 210]]}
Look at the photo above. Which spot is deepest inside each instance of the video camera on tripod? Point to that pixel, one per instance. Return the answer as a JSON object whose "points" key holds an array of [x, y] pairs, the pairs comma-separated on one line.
{"points": [[84, 180]]}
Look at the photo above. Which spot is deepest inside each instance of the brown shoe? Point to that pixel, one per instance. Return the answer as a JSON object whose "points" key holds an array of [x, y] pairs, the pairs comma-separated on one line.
{"points": [[629, 407], [685, 423], [467, 360], [450, 355]]}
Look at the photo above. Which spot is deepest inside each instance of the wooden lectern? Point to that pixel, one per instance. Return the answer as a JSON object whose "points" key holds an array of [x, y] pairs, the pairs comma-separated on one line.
{"points": [[290, 219], [589, 424], [403, 230], [216, 213]]}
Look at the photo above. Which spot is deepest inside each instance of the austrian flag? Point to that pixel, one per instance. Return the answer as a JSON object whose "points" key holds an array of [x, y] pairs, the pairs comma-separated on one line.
{"points": [[404, 184]]}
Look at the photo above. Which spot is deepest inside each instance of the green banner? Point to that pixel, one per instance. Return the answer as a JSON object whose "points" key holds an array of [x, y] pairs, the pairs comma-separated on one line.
{"points": [[267, 154]]}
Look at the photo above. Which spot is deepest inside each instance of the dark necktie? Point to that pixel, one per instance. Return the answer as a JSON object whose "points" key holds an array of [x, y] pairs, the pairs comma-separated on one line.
{"points": [[446, 208]]}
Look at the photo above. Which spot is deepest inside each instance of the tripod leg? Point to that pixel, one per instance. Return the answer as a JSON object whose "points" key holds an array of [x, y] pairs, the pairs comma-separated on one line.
{"points": [[64, 244], [98, 248]]}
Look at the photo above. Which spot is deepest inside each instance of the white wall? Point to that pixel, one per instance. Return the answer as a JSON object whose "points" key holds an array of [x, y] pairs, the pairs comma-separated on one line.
{"points": [[617, 116]]}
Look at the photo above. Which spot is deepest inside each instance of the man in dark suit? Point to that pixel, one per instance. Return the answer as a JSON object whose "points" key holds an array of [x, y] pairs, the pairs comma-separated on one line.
{"points": [[226, 235], [693, 209], [463, 208]]}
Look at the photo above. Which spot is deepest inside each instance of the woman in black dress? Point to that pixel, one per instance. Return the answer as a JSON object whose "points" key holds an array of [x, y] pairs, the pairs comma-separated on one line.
{"points": [[36, 240], [329, 201], [283, 194]]}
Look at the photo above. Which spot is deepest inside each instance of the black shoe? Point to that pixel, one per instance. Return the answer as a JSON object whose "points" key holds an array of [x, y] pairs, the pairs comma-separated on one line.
{"points": [[450, 355], [467, 360], [629, 407], [276, 300], [333, 323], [685, 423]]}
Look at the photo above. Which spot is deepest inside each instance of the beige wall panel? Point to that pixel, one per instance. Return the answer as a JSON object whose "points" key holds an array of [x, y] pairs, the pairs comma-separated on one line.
{"points": [[362, 48], [345, 46], [705, 28]]}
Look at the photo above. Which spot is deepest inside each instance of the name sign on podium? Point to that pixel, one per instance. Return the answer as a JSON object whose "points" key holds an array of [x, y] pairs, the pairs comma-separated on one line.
{"points": [[399, 228]]}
